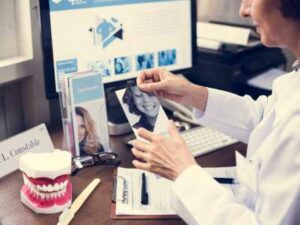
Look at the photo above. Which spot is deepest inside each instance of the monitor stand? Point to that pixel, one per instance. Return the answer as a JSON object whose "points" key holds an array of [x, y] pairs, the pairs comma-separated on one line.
{"points": [[117, 121]]}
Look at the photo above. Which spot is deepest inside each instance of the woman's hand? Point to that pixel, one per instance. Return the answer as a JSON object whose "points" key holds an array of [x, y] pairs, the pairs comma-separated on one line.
{"points": [[175, 88], [166, 156]]}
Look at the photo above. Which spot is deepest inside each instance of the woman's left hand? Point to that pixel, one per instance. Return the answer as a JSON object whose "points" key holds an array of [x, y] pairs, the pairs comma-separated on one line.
{"points": [[166, 156]]}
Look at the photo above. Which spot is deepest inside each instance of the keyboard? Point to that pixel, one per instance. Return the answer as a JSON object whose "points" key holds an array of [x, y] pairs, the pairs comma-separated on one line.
{"points": [[202, 140]]}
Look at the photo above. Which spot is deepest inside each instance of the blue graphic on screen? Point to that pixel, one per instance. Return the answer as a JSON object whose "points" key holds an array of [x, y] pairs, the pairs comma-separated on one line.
{"points": [[122, 65], [107, 31], [167, 57], [102, 66], [144, 61]]}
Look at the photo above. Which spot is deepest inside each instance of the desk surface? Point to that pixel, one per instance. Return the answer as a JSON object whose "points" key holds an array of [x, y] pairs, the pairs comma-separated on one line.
{"points": [[96, 210]]}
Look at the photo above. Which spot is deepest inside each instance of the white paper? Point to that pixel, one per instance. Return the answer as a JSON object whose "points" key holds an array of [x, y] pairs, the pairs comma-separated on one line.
{"points": [[210, 44], [223, 33], [36, 139], [266, 79], [222, 172], [129, 185]]}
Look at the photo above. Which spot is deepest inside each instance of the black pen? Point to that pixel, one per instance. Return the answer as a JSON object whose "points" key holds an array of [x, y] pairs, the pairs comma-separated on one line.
{"points": [[222, 180], [144, 193]]}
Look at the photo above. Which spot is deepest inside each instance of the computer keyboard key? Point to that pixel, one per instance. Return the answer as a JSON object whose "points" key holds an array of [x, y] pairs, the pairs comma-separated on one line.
{"points": [[202, 140]]}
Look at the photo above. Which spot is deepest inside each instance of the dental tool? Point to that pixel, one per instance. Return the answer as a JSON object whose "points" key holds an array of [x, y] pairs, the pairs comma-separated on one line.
{"points": [[68, 214]]}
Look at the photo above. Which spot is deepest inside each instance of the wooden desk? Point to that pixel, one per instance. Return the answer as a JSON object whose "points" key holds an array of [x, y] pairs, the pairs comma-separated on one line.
{"points": [[96, 209]]}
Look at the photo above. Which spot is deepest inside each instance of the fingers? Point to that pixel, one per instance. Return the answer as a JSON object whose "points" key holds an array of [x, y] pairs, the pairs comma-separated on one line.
{"points": [[147, 157], [145, 165], [148, 152], [139, 154], [145, 147], [141, 165], [150, 80], [153, 74], [163, 172], [146, 134], [154, 169], [141, 79], [147, 75], [152, 87], [173, 130]]}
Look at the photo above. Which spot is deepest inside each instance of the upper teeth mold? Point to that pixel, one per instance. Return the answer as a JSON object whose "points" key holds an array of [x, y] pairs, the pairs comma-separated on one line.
{"points": [[47, 188]]}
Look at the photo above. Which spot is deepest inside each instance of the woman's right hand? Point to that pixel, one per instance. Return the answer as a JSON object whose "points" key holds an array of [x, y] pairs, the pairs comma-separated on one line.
{"points": [[169, 86]]}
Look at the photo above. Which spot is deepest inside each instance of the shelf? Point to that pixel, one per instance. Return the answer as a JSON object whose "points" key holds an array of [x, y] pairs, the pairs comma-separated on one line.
{"points": [[16, 33], [14, 60]]}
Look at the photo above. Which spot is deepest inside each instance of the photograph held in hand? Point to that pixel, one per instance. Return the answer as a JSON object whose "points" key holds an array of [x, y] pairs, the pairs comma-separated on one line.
{"points": [[143, 110]]}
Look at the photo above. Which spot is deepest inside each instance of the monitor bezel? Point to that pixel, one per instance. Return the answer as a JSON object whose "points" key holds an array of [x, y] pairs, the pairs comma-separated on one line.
{"points": [[47, 50]]}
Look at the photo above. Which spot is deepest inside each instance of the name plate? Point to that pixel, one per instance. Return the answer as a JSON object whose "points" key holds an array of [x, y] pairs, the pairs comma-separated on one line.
{"points": [[36, 139]]}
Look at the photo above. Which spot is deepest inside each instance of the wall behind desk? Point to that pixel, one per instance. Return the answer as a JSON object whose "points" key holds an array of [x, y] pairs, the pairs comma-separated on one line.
{"points": [[221, 10], [22, 95]]}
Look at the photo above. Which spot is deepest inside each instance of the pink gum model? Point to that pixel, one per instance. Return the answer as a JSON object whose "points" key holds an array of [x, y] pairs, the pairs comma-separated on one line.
{"points": [[47, 188]]}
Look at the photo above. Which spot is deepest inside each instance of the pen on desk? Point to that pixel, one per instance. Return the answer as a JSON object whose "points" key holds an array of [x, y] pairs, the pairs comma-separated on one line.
{"points": [[144, 193], [222, 180]]}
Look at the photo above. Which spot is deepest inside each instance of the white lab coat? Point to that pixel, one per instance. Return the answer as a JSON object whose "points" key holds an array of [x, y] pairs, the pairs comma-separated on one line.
{"points": [[271, 127]]}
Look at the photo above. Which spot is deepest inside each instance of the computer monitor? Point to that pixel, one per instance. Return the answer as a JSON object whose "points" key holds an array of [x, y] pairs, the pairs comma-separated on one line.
{"points": [[119, 38]]}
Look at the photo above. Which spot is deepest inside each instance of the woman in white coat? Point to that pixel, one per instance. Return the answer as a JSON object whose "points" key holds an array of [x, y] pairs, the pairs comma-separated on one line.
{"points": [[270, 175]]}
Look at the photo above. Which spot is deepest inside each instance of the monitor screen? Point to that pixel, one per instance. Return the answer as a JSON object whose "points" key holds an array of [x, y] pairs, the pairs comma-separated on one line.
{"points": [[118, 38]]}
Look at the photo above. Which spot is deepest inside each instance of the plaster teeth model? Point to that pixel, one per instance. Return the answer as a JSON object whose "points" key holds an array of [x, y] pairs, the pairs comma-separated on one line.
{"points": [[47, 188]]}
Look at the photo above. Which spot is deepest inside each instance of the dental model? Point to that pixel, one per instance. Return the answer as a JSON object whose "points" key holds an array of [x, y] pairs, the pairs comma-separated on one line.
{"points": [[47, 188]]}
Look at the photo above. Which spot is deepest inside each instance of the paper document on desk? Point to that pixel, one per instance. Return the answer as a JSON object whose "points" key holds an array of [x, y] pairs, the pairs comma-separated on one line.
{"points": [[266, 79], [223, 33], [225, 172], [128, 194]]}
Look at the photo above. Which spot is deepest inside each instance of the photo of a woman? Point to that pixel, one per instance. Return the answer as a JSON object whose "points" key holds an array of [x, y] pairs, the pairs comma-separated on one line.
{"points": [[89, 141], [122, 65], [145, 105]]}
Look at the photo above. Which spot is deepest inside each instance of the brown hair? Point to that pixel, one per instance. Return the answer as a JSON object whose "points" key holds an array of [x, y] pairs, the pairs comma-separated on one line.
{"points": [[290, 9], [128, 99], [92, 143]]}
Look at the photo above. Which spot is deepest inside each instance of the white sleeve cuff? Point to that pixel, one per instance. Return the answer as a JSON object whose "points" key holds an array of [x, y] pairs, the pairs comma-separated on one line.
{"points": [[212, 108], [199, 199], [220, 115], [188, 176], [197, 114]]}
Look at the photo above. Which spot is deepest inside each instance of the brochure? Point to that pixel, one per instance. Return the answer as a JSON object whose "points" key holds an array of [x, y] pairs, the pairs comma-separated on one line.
{"points": [[84, 115]]}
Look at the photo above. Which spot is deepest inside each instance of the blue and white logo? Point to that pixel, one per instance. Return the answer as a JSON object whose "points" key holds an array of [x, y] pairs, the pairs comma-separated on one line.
{"points": [[107, 31]]}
